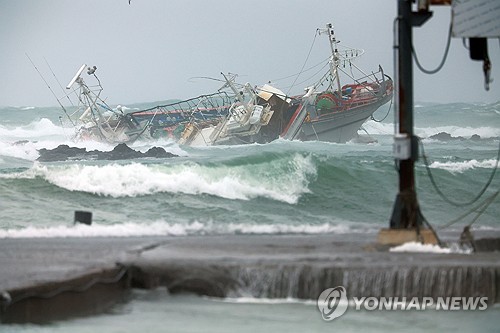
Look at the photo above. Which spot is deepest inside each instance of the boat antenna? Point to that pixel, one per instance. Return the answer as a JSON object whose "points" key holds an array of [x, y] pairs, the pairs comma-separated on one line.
{"points": [[58, 82], [52, 91], [191, 79]]}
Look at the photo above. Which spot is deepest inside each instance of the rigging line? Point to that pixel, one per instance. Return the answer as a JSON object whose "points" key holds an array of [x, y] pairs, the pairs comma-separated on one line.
{"points": [[357, 80], [443, 196], [98, 120], [350, 48], [376, 129], [305, 62], [350, 76], [350, 69], [305, 70], [438, 68], [381, 120], [360, 70], [483, 205], [429, 225], [58, 82], [52, 91], [62, 126], [483, 209], [372, 76], [440, 243], [319, 71]]}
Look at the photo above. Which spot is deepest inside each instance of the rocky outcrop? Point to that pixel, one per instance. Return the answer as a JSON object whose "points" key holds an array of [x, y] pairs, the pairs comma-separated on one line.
{"points": [[444, 136], [120, 152]]}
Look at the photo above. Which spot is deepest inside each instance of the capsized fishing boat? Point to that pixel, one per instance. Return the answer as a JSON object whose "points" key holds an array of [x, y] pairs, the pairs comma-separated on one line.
{"points": [[93, 119], [234, 114], [335, 114], [238, 114], [89, 114], [249, 119]]}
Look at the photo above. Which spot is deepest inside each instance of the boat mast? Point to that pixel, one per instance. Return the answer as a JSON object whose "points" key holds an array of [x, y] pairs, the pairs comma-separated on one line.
{"points": [[335, 60], [230, 83], [238, 94]]}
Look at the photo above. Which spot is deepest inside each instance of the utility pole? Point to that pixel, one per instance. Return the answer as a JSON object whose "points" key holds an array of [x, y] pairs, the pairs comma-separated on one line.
{"points": [[475, 20], [406, 221], [406, 211]]}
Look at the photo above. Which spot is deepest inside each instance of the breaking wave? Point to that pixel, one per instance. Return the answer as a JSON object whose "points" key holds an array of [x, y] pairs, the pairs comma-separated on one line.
{"points": [[128, 229], [484, 132], [36, 129], [460, 167], [284, 178], [427, 248]]}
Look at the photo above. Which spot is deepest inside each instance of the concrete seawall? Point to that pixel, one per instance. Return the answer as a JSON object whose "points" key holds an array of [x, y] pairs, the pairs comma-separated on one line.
{"points": [[46, 279]]}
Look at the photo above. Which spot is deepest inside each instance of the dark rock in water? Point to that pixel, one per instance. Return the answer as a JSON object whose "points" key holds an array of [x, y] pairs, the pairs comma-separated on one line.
{"points": [[443, 136], [61, 153], [158, 152], [120, 152], [21, 142]]}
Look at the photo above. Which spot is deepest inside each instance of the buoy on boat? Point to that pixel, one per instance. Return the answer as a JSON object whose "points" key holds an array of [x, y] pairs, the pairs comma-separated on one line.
{"points": [[326, 102]]}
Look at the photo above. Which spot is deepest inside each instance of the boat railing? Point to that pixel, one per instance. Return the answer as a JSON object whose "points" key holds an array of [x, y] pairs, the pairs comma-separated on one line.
{"points": [[363, 81], [224, 96], [187, 110]]}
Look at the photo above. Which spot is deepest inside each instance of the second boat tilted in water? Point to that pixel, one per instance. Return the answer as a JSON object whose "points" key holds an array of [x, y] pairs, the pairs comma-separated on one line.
{"points": [[238, 114]]}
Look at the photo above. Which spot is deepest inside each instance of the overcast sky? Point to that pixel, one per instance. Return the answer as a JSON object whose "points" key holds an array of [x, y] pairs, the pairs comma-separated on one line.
{"points": [[149, 50]]}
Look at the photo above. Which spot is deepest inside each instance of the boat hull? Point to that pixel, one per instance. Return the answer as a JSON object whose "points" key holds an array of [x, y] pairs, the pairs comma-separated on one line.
{"points": [[339, 127]]}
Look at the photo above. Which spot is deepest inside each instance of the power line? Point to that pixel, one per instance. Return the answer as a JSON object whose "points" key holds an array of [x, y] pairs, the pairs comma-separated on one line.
{"points": [[440, 66], [443, 196]]}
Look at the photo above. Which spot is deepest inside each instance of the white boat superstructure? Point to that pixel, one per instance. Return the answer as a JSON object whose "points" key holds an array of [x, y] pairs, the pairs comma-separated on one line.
{"points": [[252, 110]]}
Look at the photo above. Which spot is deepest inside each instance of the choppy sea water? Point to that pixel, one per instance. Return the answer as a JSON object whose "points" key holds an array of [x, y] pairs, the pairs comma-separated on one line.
{"points": [[281, 187], [156, 311]]}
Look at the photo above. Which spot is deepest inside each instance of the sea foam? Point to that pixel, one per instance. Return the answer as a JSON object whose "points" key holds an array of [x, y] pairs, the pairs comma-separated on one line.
{"points": [[459, 167], [36, 129], [161, 228], [484, 132], [282, 180], [99, 230], [426, 248]]}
